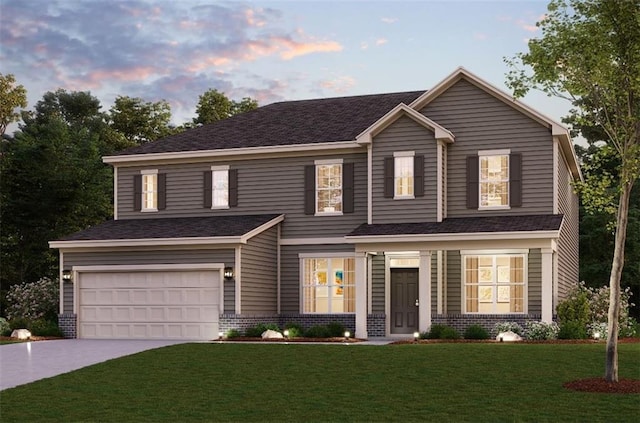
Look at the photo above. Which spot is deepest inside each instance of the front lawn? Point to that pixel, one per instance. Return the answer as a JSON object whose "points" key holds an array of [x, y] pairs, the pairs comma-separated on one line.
{"points": [[247, 382]]}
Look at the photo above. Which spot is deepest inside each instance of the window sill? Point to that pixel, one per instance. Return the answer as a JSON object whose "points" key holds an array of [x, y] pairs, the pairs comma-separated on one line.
{"points": [[219, 207], [404, 197], [511, 313], [149, 210], [328, 214], [494, 208]]}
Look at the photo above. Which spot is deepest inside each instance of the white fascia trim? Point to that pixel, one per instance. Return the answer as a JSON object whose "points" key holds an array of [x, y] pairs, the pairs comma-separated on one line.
{"points": [[493, 252], [366, 136], [479, 236], [313, 241], [322, 255], [246, 237], [230, 152], [148, 267], [146, 242]]}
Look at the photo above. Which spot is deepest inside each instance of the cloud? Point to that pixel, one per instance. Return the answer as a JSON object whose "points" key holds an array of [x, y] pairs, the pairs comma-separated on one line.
{"points": [[389, 20], [480, 36], [381, 41], [338, 85]]}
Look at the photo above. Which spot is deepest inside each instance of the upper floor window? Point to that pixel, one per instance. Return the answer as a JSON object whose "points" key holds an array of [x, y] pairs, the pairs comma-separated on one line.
{"points": [[220, 187], [403, 175], [328, 187], [149, 191], [494, 180], [494, 284], [328, 285]]}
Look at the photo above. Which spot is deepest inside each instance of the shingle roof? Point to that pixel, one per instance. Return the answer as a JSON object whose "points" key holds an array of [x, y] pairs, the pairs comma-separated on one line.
{"points": [[181, 227], [285, 123], [464, 225]]}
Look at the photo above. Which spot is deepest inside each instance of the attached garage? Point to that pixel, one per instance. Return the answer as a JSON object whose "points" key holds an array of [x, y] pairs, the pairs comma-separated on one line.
{"points": [[159, 302]]}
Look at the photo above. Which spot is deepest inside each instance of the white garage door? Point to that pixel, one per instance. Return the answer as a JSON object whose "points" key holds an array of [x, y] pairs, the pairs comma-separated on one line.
{"points": [[149, 305]]}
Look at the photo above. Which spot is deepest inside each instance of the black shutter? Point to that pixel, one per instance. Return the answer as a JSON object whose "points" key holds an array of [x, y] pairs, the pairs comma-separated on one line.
{"points": [[388, 177], [418, 176], [310, 189], [515, 180], [137, 192], [233, 187], [206, 194], [472, 182], [162, 191], [347, 188]]}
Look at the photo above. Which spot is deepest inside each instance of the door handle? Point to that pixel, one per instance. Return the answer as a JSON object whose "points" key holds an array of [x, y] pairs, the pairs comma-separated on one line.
{"points": [[417, 303]]}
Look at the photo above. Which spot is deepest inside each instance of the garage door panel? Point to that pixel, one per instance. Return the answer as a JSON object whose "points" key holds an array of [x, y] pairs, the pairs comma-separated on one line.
{"points": [[149, 304]]}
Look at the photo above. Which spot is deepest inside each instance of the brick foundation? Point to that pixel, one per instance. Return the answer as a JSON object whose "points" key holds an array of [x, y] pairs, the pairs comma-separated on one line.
{"points": [[461, 322], [68, 325]]}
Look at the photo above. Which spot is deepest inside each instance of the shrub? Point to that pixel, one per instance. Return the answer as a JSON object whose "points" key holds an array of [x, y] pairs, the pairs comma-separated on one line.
{"points": [[295, 330], [19, 323], [336, 329], [34, 301], [506, 327], [424, 335], [317, 332], [476, 332], [256, 331], [575, 310], [597, 330], [45, 328], [233, 333], [572, 329], [442, 332], [5, 329], [540, 331]]}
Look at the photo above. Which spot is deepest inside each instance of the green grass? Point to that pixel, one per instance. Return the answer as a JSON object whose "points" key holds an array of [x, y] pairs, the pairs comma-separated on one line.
{"points": [[247, 382]]}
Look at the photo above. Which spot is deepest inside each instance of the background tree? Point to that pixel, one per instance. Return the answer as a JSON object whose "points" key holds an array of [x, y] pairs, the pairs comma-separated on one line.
{"points": [[12, 96], [214, 106], [589, 52], [53, 182], [139, 121]]}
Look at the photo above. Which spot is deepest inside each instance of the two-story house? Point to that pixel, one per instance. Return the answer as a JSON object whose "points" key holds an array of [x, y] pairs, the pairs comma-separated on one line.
{"points": [[387, 212]]}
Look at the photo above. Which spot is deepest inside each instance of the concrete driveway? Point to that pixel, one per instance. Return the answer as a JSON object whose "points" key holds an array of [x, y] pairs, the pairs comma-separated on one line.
{"points": [[30, 361]]}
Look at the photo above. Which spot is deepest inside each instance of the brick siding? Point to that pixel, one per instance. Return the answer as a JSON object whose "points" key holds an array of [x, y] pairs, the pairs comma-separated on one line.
{"points": [[68, 323]]}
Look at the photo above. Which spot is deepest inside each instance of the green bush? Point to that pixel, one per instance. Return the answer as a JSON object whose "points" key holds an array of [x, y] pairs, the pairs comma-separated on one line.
{"points": [[541, 331], [317, 332], [442, 332], [295, 330], [336, 329], [233, 333], [506, 327], [19, 323], [424, 335], [572, 330], [45, 328], [476, 332], [5, 329], [34, 301], [256, 331], [575, 309]]}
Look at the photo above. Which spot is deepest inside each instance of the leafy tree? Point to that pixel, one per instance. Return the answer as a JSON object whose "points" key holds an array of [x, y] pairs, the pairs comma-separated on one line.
{"points": [[53, 182], [11, 97], [214, 106], [139, 121], [589, 52]]}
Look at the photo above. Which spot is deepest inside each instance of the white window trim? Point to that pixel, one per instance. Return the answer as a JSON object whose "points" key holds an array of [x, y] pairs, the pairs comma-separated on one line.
{"points": [[524, 253], [219, 168], [400, 154], [485, 153], [144, 209], [325, 162], [306, 256]]}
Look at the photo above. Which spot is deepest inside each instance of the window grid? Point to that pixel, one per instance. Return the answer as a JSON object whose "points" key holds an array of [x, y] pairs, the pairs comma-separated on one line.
{"points": [[150, 192], [329, 188], [494, 181], [494, 284], [328, 285], [403, 176], [220, 188]]}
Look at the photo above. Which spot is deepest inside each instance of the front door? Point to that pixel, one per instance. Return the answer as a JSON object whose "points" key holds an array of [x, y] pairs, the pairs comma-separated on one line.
{"points": [[404, 300]]}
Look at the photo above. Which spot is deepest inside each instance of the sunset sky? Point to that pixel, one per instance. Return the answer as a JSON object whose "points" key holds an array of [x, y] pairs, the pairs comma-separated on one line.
{"points": [[270, 51]]}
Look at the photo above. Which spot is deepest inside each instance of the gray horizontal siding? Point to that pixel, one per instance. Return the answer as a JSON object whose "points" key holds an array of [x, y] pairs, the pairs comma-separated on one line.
{"points": [[67, 297], [290, 271], [404, 135], [259, 259], [229, 297], [568, 243], [479, 121], [378, 283], [273, 185], [454, 282], [534, 291]]}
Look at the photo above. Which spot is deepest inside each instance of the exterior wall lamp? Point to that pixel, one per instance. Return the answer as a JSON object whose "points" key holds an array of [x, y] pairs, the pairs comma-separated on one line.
{"points": [[228, 273], [66, 276]]}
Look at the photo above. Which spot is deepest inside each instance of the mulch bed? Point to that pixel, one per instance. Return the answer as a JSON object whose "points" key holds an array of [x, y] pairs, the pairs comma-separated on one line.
{"points": [[300, 340], [600, 385]]}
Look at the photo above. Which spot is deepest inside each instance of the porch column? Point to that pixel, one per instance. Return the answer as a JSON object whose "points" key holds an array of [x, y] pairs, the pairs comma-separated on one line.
{"points": [[361, 295], [424, 291], [547, 285]]}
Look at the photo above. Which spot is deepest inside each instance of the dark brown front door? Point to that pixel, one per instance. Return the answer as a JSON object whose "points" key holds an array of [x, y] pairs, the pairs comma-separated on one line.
{"points": [[404, 299]]}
